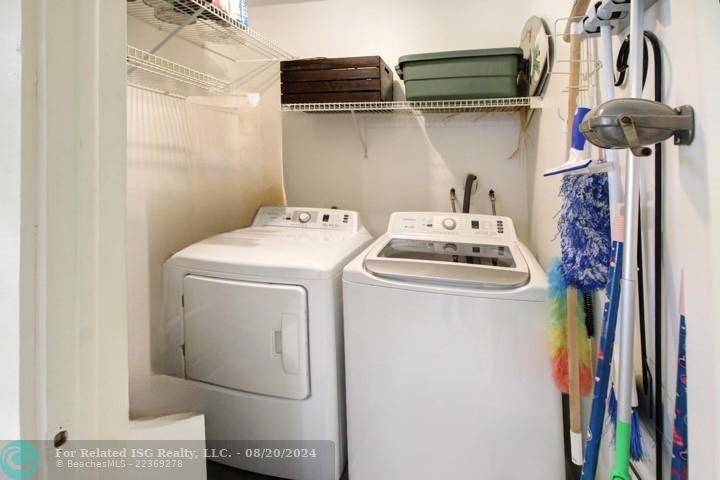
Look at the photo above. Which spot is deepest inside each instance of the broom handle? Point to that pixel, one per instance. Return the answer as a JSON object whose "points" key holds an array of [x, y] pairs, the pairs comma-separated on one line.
{"points": [[573, 84], [574, 378], [576, 444], [626, 327], [579, 8], [604, 360]]}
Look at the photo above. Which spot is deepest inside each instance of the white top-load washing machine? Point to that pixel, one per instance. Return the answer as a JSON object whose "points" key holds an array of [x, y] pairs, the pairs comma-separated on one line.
{"points": [[446, 355], [254, 329]]}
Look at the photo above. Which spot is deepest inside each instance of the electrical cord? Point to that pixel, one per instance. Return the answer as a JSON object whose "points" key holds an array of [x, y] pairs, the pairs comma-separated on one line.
{"points": [[656, 410], [659, 427], [622, 63]]}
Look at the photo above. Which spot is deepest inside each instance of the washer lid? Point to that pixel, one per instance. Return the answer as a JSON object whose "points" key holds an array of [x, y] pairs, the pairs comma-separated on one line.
{"points": [[498, 265]]}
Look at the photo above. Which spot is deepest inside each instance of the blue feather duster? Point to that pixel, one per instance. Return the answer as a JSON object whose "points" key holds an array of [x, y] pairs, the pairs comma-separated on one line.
{"points": [[584, 227]]}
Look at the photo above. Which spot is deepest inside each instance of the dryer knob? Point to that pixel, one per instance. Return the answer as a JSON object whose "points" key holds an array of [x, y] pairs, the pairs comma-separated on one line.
{"points": [[304, 217], [449, 224]]}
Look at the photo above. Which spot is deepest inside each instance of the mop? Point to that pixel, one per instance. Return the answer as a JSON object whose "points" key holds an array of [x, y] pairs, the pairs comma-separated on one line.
{"points": [[679, 466], [636, 441], [623, 433], [637, 448], [605, 353], [615, 189]]}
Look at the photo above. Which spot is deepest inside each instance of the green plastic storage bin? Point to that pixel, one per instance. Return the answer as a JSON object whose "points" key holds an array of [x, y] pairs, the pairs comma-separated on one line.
{"points": [[461, 75]]}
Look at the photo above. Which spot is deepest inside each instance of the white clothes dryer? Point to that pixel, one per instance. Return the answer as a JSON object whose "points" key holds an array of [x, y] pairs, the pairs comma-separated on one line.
{"points": [[253, 327]]}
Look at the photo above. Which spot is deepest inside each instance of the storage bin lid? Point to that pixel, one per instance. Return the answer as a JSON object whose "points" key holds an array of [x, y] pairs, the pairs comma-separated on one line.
{"points": [[485, 52]]}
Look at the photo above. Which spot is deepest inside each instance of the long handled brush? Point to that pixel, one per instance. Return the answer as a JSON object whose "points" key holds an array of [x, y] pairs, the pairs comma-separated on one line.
{"points": [[605, 354]]}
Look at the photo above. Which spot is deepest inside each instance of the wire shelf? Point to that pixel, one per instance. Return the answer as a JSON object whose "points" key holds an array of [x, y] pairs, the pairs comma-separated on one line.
{"points": [[155, 73], [206, 26], [435, 106]]}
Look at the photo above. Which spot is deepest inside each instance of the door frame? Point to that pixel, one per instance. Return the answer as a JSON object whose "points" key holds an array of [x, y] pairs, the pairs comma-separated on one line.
{"points": [[68, 225]]}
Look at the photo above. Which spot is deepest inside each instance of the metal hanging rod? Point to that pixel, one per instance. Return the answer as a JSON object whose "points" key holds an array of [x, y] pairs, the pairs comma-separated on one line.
{"points": [[159, 74]]}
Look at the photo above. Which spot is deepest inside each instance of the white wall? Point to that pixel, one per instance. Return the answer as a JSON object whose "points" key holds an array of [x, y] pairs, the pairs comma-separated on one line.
{"points": [[704, 195], [192, 172], [411, 164], [707, 20], [10, 207], [686, 30]]}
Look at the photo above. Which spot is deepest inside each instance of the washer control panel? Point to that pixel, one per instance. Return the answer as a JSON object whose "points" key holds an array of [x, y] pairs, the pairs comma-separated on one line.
{"points": [[452, 224], [315, 218]]}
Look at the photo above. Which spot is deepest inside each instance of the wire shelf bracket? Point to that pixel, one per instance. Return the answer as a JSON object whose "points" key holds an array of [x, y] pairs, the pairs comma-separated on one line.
{"points": [[362, 133], [419, 108]]}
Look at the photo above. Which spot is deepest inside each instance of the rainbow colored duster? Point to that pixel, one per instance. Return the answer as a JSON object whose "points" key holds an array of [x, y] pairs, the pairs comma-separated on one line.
{"points": [[558, 334]]}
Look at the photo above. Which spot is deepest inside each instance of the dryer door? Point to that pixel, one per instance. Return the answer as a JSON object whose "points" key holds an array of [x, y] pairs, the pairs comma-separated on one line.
{"points": [[247, 336]]}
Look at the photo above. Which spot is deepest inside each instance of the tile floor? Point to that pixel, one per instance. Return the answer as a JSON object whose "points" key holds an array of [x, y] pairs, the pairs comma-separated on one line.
{"points": [[216, 471]]}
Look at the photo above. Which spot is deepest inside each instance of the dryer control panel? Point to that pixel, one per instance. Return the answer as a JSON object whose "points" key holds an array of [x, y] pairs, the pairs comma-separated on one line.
{"points": [[452, 224], [307, 218]]}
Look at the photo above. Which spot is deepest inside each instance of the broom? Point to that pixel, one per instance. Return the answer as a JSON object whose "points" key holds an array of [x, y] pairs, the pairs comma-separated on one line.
{"points": [[605, 354], [679, 468]]}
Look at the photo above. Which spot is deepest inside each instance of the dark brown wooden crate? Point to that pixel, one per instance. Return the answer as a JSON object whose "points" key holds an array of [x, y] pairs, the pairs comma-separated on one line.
{"points": [[337, 86], [330, 63], [386, 83], [337, 74], [332, 97], [322, 80]]}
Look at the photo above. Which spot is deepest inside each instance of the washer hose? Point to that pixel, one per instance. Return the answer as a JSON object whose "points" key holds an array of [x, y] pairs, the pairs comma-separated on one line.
{"points": [[469, 180]]}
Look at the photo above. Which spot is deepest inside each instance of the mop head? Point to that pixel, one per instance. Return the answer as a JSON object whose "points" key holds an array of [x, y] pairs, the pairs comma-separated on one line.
{"points": [[584, 227], [637, 449], [558, 334]]}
